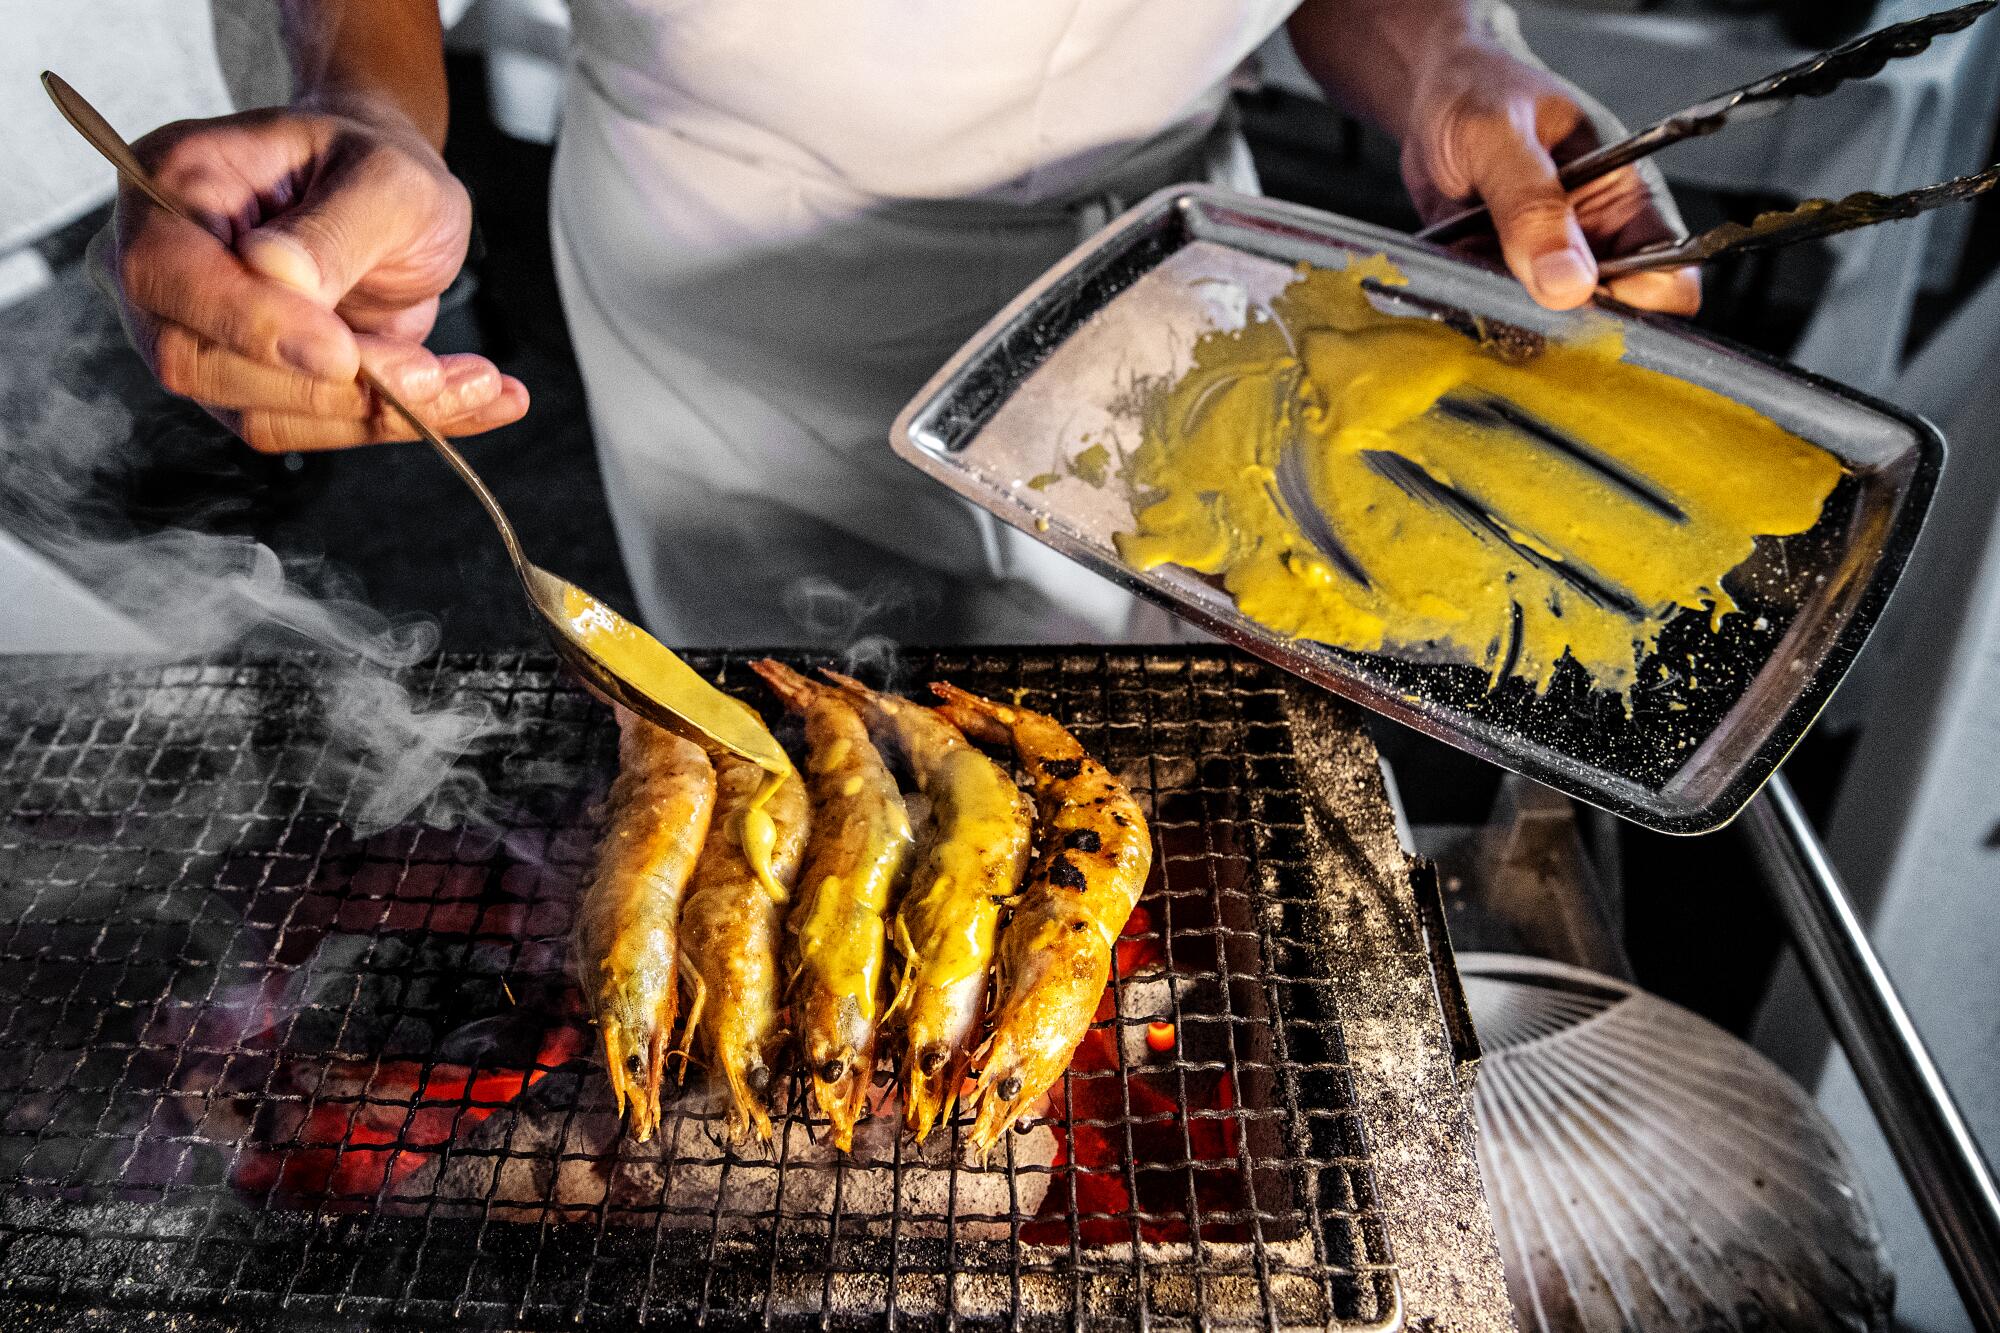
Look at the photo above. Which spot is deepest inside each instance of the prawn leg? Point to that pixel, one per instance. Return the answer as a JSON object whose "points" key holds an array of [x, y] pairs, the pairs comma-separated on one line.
{"points": [[693, 978]]}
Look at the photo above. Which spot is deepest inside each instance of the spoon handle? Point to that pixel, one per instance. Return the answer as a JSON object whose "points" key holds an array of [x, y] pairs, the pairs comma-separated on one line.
{"points": [[98, 132], [449, 452]]}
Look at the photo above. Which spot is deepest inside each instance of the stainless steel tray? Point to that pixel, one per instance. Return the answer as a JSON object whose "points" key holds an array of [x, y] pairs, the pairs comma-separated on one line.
{"points": [[1055, 371]]}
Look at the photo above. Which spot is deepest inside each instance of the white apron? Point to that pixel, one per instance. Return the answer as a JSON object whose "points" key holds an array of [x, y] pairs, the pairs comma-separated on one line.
{"points": [[774, 219]]}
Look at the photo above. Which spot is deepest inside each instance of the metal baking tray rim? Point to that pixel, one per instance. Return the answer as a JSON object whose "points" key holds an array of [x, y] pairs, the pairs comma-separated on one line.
{"points": [[916, 436]]}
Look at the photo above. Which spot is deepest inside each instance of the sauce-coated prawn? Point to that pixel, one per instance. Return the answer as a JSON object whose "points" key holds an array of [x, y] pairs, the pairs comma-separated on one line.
{"points": [[970, 863], [626, 939], [1092, 855], [731, 929], [854, 861]]}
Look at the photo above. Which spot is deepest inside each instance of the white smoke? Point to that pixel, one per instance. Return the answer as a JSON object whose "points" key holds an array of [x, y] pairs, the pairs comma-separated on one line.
{"points": [[66, 444], [828, 612]]}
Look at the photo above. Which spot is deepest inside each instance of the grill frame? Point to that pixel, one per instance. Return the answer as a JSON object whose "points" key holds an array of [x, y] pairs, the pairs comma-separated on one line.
{"points": [[276, 772]]}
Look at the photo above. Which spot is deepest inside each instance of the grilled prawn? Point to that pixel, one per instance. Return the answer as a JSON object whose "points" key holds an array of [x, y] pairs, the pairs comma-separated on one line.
{"points": [[730, 931], [970, 862], [627, 951], [1090, 863], [859, 848]]}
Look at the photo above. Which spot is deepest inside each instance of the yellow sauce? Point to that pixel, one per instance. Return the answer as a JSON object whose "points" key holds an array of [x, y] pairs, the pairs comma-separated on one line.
{"points": [[977, 803], [843, 929], [1500, 515], [1091, 466], [758, 834], [651, 668]]}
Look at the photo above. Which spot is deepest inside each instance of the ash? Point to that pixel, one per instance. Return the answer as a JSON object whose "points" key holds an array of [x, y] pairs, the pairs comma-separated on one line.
{"points": [[551, 1161]]}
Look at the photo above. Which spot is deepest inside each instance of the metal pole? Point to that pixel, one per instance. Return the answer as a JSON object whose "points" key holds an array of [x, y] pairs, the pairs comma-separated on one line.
{"points": [[1937, 1153]]}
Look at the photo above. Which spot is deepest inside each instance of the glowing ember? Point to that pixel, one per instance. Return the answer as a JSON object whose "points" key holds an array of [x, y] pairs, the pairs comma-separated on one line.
{"points": [[1123, 1116], [370, 1123]]}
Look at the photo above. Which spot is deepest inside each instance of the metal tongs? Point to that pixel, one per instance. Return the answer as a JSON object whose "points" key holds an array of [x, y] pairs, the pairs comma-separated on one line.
{"points": [[1862, 58], [617, 660]]}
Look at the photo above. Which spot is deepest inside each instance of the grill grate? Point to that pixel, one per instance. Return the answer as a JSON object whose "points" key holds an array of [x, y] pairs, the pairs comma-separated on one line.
{"points": [[251, 1062]]}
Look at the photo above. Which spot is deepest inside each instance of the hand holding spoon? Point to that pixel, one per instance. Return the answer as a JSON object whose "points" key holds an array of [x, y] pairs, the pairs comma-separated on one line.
{"points": [[616, 659]]}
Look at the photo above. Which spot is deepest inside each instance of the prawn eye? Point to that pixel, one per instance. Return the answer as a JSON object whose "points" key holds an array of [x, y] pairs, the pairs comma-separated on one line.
{"points": [[831, 1071], [1079, 925], [931, 1060], [1009, 1088], [759, 1079]]}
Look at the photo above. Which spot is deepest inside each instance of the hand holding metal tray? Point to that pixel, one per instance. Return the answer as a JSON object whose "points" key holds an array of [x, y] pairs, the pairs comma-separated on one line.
{"points": [[1012, 422]]}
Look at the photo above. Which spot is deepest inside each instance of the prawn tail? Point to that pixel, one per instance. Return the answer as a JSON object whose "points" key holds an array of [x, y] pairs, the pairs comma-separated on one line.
{"points": [[851, 686], [797, 692], [981, 719], [883, 708]]}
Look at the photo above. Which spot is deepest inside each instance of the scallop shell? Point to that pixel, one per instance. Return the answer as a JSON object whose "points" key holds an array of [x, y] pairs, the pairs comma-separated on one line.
{"points": [[1648, 1171]]}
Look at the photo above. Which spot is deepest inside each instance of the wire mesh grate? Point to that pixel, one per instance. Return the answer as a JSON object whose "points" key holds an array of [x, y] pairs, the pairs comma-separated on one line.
{"points": [[252, 1061]]}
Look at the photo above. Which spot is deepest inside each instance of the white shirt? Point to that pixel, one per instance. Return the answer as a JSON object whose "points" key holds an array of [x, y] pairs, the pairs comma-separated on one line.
{"points": [[1016, 100], [775, 218]]}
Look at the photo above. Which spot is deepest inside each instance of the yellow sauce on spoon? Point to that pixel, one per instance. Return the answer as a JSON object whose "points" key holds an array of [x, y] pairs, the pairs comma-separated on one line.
{"points": [[653, 669], [1382, 483]]}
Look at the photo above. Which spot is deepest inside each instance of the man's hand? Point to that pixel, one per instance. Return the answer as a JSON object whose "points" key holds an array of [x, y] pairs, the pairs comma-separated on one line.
{"points": [[324, 242], [1481, 122], [1485, 125]]}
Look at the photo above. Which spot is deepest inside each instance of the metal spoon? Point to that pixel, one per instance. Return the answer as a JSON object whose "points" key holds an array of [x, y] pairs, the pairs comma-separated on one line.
{"points": [[616, 660]]}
